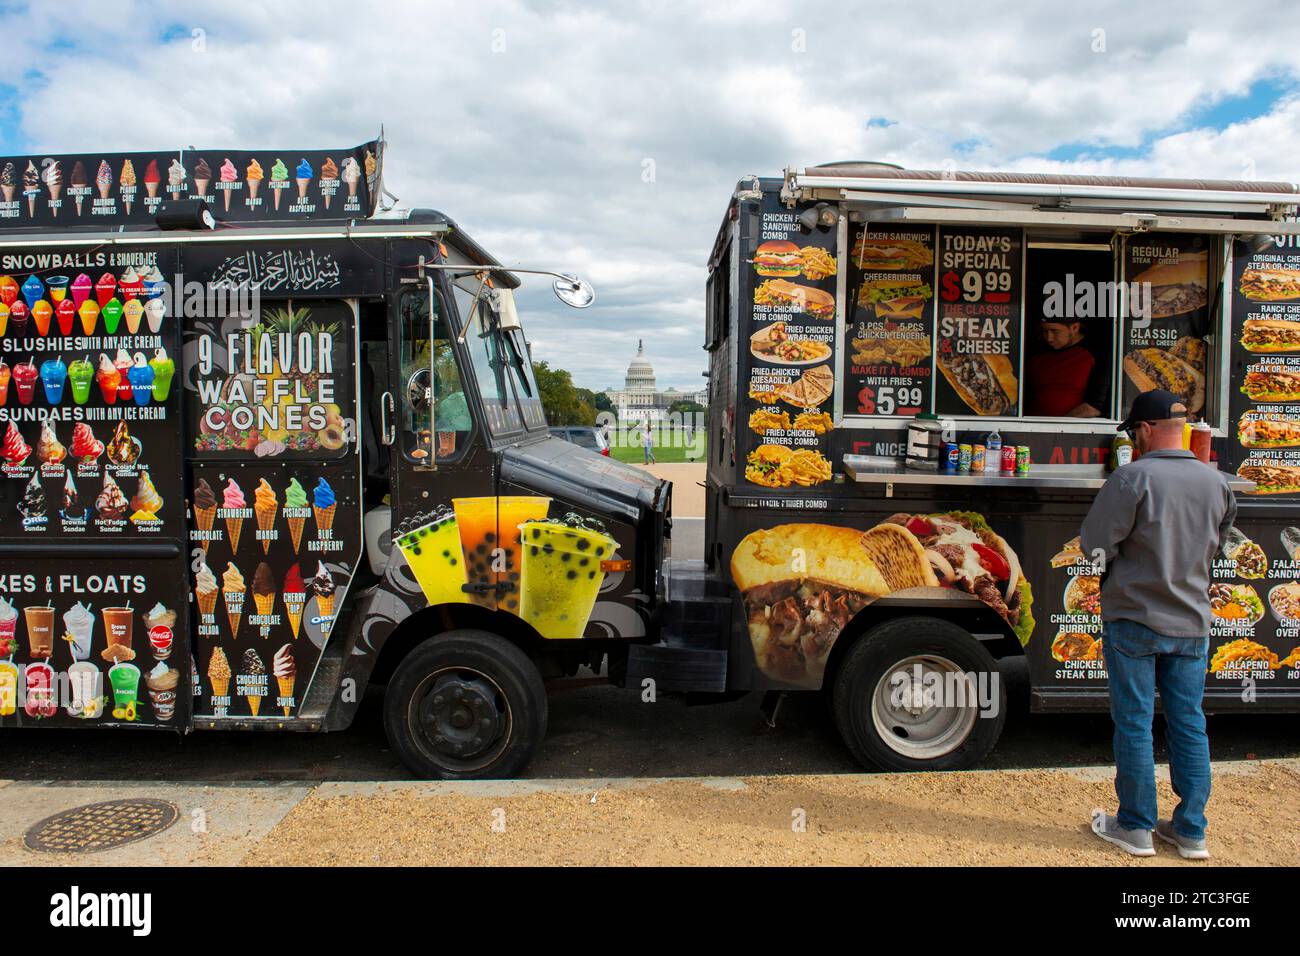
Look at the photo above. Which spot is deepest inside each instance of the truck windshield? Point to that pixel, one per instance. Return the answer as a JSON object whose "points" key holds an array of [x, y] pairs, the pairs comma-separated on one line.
{"points": [[490, 364]]}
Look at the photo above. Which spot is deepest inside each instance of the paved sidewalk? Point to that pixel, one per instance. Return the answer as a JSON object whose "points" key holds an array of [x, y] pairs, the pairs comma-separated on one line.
{"points": [[974, 818]]}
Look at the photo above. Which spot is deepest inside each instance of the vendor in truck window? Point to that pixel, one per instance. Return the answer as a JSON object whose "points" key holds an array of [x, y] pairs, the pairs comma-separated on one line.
{"points": [[1066, 379]]}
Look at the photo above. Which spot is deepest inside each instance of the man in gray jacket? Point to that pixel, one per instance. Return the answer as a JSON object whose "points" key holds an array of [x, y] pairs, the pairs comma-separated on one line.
{"points": [[1153, 531]]}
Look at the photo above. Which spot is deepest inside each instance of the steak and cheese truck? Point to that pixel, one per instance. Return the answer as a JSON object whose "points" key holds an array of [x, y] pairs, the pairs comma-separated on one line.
{"points": [[264, 448]]}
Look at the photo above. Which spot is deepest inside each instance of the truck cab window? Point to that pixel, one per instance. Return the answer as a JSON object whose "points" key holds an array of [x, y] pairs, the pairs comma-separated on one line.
{"points": [[435, 415], [489, 362]]}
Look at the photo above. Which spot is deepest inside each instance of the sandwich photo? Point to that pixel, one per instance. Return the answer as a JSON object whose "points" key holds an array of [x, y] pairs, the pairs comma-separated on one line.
{"points": [[968, 555], [1176, 287], [882, 254], [1271, 385], [1076, 646], [1083, 595], [1191, 350], [1254, 431], [804, 298], [1271, 479], [1248, 557], [777, 258], [986, 383], [810, 389], [895, 299], [794, 618], [1159, 368], [1270, 335], [1270, 285]]}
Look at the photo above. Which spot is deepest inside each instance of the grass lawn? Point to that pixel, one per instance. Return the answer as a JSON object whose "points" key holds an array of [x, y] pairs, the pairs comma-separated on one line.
{"points": [[670, 447]]}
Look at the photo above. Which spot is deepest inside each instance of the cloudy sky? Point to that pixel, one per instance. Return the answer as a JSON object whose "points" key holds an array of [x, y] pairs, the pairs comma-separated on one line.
{"points": [[606, 139]]}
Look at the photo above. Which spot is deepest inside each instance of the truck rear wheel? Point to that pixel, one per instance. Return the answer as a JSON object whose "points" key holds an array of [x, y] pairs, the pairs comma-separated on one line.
{"points": [[465, 705], [907, 697]]}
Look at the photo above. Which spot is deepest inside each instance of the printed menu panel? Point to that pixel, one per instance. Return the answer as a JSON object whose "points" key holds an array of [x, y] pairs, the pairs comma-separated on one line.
{"points": [[87, 641], [113, 189], [978, 333], [1264, 405], [273, 551], [889, 360], [1167, 318], [272, 386], [87, 405], [788, 293]]}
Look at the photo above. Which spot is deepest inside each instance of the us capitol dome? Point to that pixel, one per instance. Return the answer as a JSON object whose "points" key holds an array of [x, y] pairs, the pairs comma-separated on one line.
{"points": [[639, 400]]}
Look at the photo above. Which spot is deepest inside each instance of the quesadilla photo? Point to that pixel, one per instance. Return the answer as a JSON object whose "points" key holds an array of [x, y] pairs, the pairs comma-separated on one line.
{"points": [[810, 389]]}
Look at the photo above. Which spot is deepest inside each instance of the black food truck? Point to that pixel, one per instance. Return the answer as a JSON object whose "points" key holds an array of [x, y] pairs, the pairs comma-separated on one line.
{"points": [[264, 447]]}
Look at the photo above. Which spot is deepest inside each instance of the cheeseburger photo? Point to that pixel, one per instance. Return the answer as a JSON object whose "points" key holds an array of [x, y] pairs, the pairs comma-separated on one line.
{"points": [[778, 257]]}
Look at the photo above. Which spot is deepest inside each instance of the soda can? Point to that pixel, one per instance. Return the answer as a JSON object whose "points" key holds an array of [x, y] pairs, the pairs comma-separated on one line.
{"points": [[963, 458], [977, 456], [951, 456], [1022, 459], [1008, 459]]}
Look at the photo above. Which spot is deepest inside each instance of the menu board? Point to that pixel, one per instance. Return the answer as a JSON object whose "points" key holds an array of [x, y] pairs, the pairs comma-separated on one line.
{"points": [[274, 549], [275, 386], [978, 334], [889, 361], [90, 459], [1265, 407], [1166, 318], [112, 189], [788, 284]]}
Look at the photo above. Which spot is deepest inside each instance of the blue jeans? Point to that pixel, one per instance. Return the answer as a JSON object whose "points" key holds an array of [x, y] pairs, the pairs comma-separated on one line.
{"points": [[1139, 662]]}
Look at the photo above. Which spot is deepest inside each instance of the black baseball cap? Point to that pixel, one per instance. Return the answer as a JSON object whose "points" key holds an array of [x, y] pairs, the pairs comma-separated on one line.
{"points": [[1156, 405]]}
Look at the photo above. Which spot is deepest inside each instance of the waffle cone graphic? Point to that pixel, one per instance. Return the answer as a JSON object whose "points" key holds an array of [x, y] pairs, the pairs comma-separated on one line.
{"points": [[234, 527], [152, 189], [80, 200], [295, 532], [265, 603], [234, 609], [9, 192], [220, 686], [226, 198], [253, 186], [265, 522], [207, 601], [201, 185], [286, 690], [254, 705], [276, 194], [325, 517], [325, 604], [205, 518], [327, 197], [294, 610]]}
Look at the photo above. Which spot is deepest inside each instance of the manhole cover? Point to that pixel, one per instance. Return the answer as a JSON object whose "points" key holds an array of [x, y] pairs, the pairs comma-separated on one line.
{"points": [[101, 826]]}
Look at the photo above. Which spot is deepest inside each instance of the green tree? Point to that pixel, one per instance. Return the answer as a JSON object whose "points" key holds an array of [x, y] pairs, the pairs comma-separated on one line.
{"points": [[685, 408], [601, 402], [562, 402]]}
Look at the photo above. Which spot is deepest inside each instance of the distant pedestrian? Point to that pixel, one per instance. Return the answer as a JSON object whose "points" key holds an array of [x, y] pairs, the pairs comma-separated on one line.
{"points": [[648, 445], [1155, 527]]}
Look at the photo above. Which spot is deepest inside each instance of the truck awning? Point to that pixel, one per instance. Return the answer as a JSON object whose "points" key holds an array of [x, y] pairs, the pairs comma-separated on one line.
{"points": [[1068, 219], [886, 185]]}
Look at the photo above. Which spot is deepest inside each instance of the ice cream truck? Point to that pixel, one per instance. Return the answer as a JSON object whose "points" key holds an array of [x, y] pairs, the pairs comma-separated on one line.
{"points": [[263, 448]]}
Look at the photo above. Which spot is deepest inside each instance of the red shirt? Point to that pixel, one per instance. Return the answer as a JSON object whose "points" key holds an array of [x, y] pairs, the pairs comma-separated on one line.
{"points": [[1058, 381]]}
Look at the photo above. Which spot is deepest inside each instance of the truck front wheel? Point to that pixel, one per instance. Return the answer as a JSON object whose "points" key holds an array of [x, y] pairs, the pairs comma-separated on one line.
{"points": [[465, 705], [919, 693]]}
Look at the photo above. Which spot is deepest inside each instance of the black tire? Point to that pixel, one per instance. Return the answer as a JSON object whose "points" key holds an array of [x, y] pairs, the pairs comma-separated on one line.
{"points": [[489, 730], [875, 657]]}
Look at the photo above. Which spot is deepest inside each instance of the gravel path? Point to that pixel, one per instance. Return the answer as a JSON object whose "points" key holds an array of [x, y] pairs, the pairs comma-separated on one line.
{"points": [[982, 817]]}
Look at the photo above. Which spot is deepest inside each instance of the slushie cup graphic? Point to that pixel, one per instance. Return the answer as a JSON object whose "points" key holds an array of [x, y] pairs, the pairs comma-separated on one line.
{"points": [[561, 576], [125, 679], [81, 374], [39, 698], [79, 626], [8, 688], [87, 686], [40, 631], [433, 552], [117, 625], [479, 520]]}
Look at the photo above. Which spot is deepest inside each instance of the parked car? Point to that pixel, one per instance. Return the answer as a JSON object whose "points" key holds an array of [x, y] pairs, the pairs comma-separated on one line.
{"points": [[592, 438]]}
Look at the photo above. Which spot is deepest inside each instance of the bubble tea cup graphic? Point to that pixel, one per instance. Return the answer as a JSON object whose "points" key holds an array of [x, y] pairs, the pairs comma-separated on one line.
{"points": [[479, 520], [433, 553], [563, 569]]}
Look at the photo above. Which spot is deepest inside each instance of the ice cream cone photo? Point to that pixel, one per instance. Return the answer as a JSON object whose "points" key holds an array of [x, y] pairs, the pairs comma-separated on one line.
{"points": [[302, 188], [286, 690], [9, 192], [207, 602], [79, 200], [201, 186], [325, 518], [56, 194], [265, 603], [220, 686], [276, 194], [266, 522], [234, 611], [254, 705], [31, 205], [151, 189], [325, 605], [327, 197], [234, 528], [225, 198], [126, 204], [294, 610], [104, 190], [253, 186]]}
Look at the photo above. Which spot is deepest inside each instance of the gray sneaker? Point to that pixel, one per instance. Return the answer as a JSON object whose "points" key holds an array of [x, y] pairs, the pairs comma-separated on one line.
{"points": [[1137, 842], [1188, 848]]}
